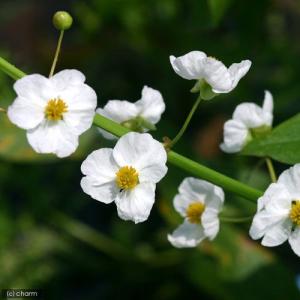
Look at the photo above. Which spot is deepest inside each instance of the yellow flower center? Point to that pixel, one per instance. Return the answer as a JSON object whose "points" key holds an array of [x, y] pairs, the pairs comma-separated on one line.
{"points": [[127, 178], [55, 109], [295, 212], [194, 212]]}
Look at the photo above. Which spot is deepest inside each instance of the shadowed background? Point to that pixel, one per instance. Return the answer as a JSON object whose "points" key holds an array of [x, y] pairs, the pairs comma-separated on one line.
{"points": [[55, 237]]}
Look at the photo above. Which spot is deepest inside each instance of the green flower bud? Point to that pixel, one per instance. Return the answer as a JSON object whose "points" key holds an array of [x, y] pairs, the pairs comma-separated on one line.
{"points": [[62, 20]]}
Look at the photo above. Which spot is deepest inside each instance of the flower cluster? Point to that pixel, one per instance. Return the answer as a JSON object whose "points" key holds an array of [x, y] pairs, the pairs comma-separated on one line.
{"points": [[55, 111]]}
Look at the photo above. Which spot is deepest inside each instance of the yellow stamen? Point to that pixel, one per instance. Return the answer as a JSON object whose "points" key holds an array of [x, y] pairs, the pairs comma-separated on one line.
{"points": [[194, 212], [55, 109], [127, 178], [295, 212]]}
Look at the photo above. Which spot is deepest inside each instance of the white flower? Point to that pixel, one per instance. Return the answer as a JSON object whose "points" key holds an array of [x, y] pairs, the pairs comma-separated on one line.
{"points": [[199, 202], [54, 111], [248, 120], [144, 112], [126, 174], [278, 212], [196, 65]]}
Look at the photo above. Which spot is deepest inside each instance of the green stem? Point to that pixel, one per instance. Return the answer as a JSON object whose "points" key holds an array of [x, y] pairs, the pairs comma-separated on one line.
{"points": [[227, 219], [10, 70], [174, 158], [186, 123], [215, 177], [109, 125], [61, 35], [271, 169]]}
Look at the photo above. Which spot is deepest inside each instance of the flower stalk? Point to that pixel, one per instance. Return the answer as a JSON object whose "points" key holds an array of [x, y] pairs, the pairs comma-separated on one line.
{"points": [[271, 169], [174, 158], [186, 122], [61, 35]]}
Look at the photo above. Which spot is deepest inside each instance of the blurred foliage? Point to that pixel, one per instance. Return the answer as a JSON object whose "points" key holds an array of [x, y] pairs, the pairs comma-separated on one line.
{"points": [[55, 237]]}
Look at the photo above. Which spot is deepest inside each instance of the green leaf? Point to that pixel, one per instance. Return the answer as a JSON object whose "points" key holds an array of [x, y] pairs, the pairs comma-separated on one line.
{"points": [[282, 144]]}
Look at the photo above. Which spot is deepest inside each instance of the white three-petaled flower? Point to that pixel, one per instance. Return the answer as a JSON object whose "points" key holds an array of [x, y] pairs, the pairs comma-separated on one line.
{"points": [[126, 174], [54, 111], [199, 202], [278, 212], [248, 120], [196, 65], [147, 110]]}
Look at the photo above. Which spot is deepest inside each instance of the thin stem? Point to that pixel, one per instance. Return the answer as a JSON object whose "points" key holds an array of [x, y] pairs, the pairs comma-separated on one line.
{"points": [[61, 35], [227, 219], [174, 158], [271, 169], [186, 123]]}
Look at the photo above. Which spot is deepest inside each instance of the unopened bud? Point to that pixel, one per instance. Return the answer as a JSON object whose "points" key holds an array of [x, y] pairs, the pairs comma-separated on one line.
{"points": [[62, 20]]}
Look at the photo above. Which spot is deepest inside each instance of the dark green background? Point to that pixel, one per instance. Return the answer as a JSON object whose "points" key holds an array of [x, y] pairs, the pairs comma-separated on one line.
{"points": [[120, 46]]}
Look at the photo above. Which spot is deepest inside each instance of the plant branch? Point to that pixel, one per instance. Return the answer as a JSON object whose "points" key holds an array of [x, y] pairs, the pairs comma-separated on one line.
{"points": [[174, 158]]}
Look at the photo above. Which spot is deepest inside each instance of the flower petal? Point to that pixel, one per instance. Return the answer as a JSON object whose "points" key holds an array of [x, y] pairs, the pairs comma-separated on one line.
{"points": [[210, 223], [181, 202], [189, 66], [235, 136], [25, 113], [216, 75], [276, 199], [262, 222], [291, 180], [36, 88], [268, 102], [67, 78], [53, 137], [238, 70], [151, 105], [187, 235], [294, 241], [136, 204], [152, 173], [200, 190], [120, 111], [100, 165], [252, 115], [142, 152], [103, 192], [277, 234], [81, 102]]}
